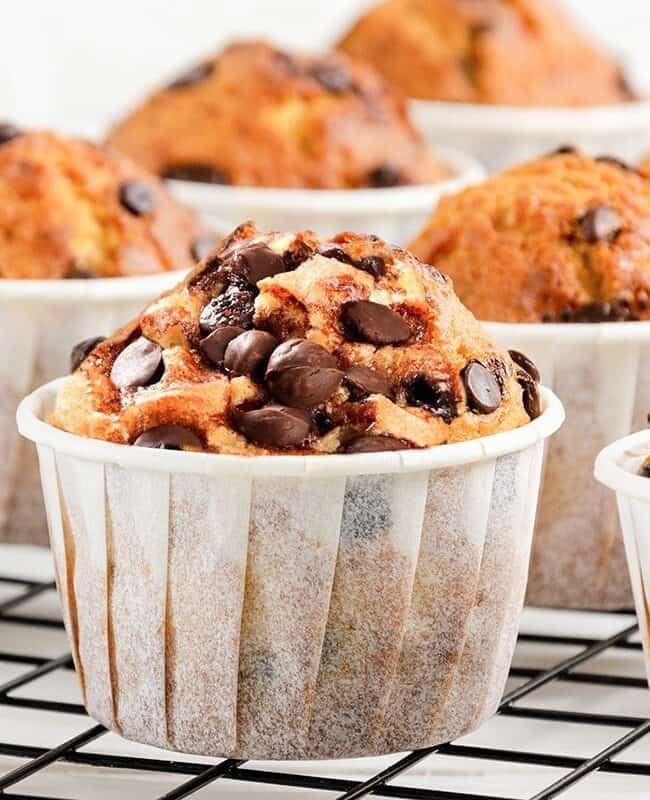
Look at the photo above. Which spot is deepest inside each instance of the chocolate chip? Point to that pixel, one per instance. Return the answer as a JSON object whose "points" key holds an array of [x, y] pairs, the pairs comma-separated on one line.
{"points": [[302, 374], [8, 132], [139, 364], [136, 197], [80, 274], [525, 363], [615, 162], [332, 251], [169, 437], [600, 224], [375, 323], [275, 426], [529, 394], [375, 265], [385, 177], [483, 392], [375, 444], [213, 347], [598, 311], [322, 421], [202, 246], [564, 150], [235, 306], [198, 173], [248, 353], [210, 277], [194, 75], [332, 77], [82, 350], [255, 263], [296, 254], [434, 395], [362, 381]]}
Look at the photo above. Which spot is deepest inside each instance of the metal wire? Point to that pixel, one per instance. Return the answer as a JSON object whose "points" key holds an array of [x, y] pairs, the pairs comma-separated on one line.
{"points": [[195, 776]]}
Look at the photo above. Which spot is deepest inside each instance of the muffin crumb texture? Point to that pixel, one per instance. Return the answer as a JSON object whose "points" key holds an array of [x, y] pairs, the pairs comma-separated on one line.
{"points": [[564, 238], [506, 52], [255, 115], [290, 343], [72, 209]]}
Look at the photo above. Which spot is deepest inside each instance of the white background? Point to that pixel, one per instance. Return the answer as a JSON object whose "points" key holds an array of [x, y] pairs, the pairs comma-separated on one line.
{"points": [[73, 64]]}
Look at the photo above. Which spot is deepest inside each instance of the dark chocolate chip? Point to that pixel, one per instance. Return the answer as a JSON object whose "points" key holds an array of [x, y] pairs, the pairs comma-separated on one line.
{"points": [[434, 395], [8, 132], [275, 426], [198, 173], [194, 75], [297, 253], [248, 353], [483, 391], [600, 224], [332, 77], [255, 263], [525, 363], [362, 381], [138, 364], [82, 350], [563, 150], [202, 246], [385, 177], [375, 265], [213, 347], [375, 444], [169, 437], [299, 353], [235, 306], [375, 323], [322, 421], [332, 251], [136, 197], [529, 394]]}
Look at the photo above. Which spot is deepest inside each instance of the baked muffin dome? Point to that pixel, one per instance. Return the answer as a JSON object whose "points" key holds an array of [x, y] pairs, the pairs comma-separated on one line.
{"points": [[508, 52], [564, 238], [72, 209], [257, 116], [288, 343]]}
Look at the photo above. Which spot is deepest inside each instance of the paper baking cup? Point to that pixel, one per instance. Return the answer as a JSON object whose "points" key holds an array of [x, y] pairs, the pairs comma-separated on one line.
{"points": [[618, 466], [395, 215], [500, 136], [40, 322], [290, 607], [601, 372]]}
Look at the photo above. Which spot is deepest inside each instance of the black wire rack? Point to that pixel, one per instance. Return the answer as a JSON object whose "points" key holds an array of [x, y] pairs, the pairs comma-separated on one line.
{"points": [[192, 776]]}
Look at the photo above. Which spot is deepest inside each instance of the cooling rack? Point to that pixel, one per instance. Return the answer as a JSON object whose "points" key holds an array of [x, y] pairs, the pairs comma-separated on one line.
{"points": [[575, 718]]}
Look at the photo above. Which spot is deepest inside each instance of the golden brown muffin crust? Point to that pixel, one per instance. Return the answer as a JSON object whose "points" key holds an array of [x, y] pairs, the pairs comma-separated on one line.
{"points": [[350, 338], [562, 238], [69, 208], [257, 116], [507, 52]]}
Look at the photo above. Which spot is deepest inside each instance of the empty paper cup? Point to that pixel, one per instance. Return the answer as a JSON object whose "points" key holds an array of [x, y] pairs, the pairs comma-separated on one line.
{"points": [[291, 607]]}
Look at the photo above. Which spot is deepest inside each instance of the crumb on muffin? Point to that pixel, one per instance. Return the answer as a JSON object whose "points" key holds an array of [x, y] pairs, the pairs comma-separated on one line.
{"points": [[288, 342]]}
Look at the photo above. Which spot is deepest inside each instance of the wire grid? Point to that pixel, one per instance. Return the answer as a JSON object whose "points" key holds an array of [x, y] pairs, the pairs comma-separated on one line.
{"points": [[198, 775]]}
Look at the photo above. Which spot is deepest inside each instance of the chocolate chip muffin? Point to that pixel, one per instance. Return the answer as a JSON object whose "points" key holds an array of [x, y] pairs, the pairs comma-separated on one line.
{"points": [[255, 115], [507, 52], [72, 209], [289, 343], [565, 238]]}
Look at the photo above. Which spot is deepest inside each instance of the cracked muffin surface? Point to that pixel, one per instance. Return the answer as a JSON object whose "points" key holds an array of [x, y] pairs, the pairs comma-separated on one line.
{"points": [[564, 238], [72, 209], [255, 115], [291, 343], [507, 52]]}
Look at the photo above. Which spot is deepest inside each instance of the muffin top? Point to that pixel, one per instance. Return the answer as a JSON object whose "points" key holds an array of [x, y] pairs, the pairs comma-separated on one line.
{"points": [[290, 343], [72, 209], [258, 116], [508, 52], [565, 238]]}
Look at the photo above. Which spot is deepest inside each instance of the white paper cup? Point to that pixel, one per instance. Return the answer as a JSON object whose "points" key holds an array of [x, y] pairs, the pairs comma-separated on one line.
{"points": [[395, 215], [601, 372], [40, 322], [617, 467], [500, 136], [291, 607]]}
